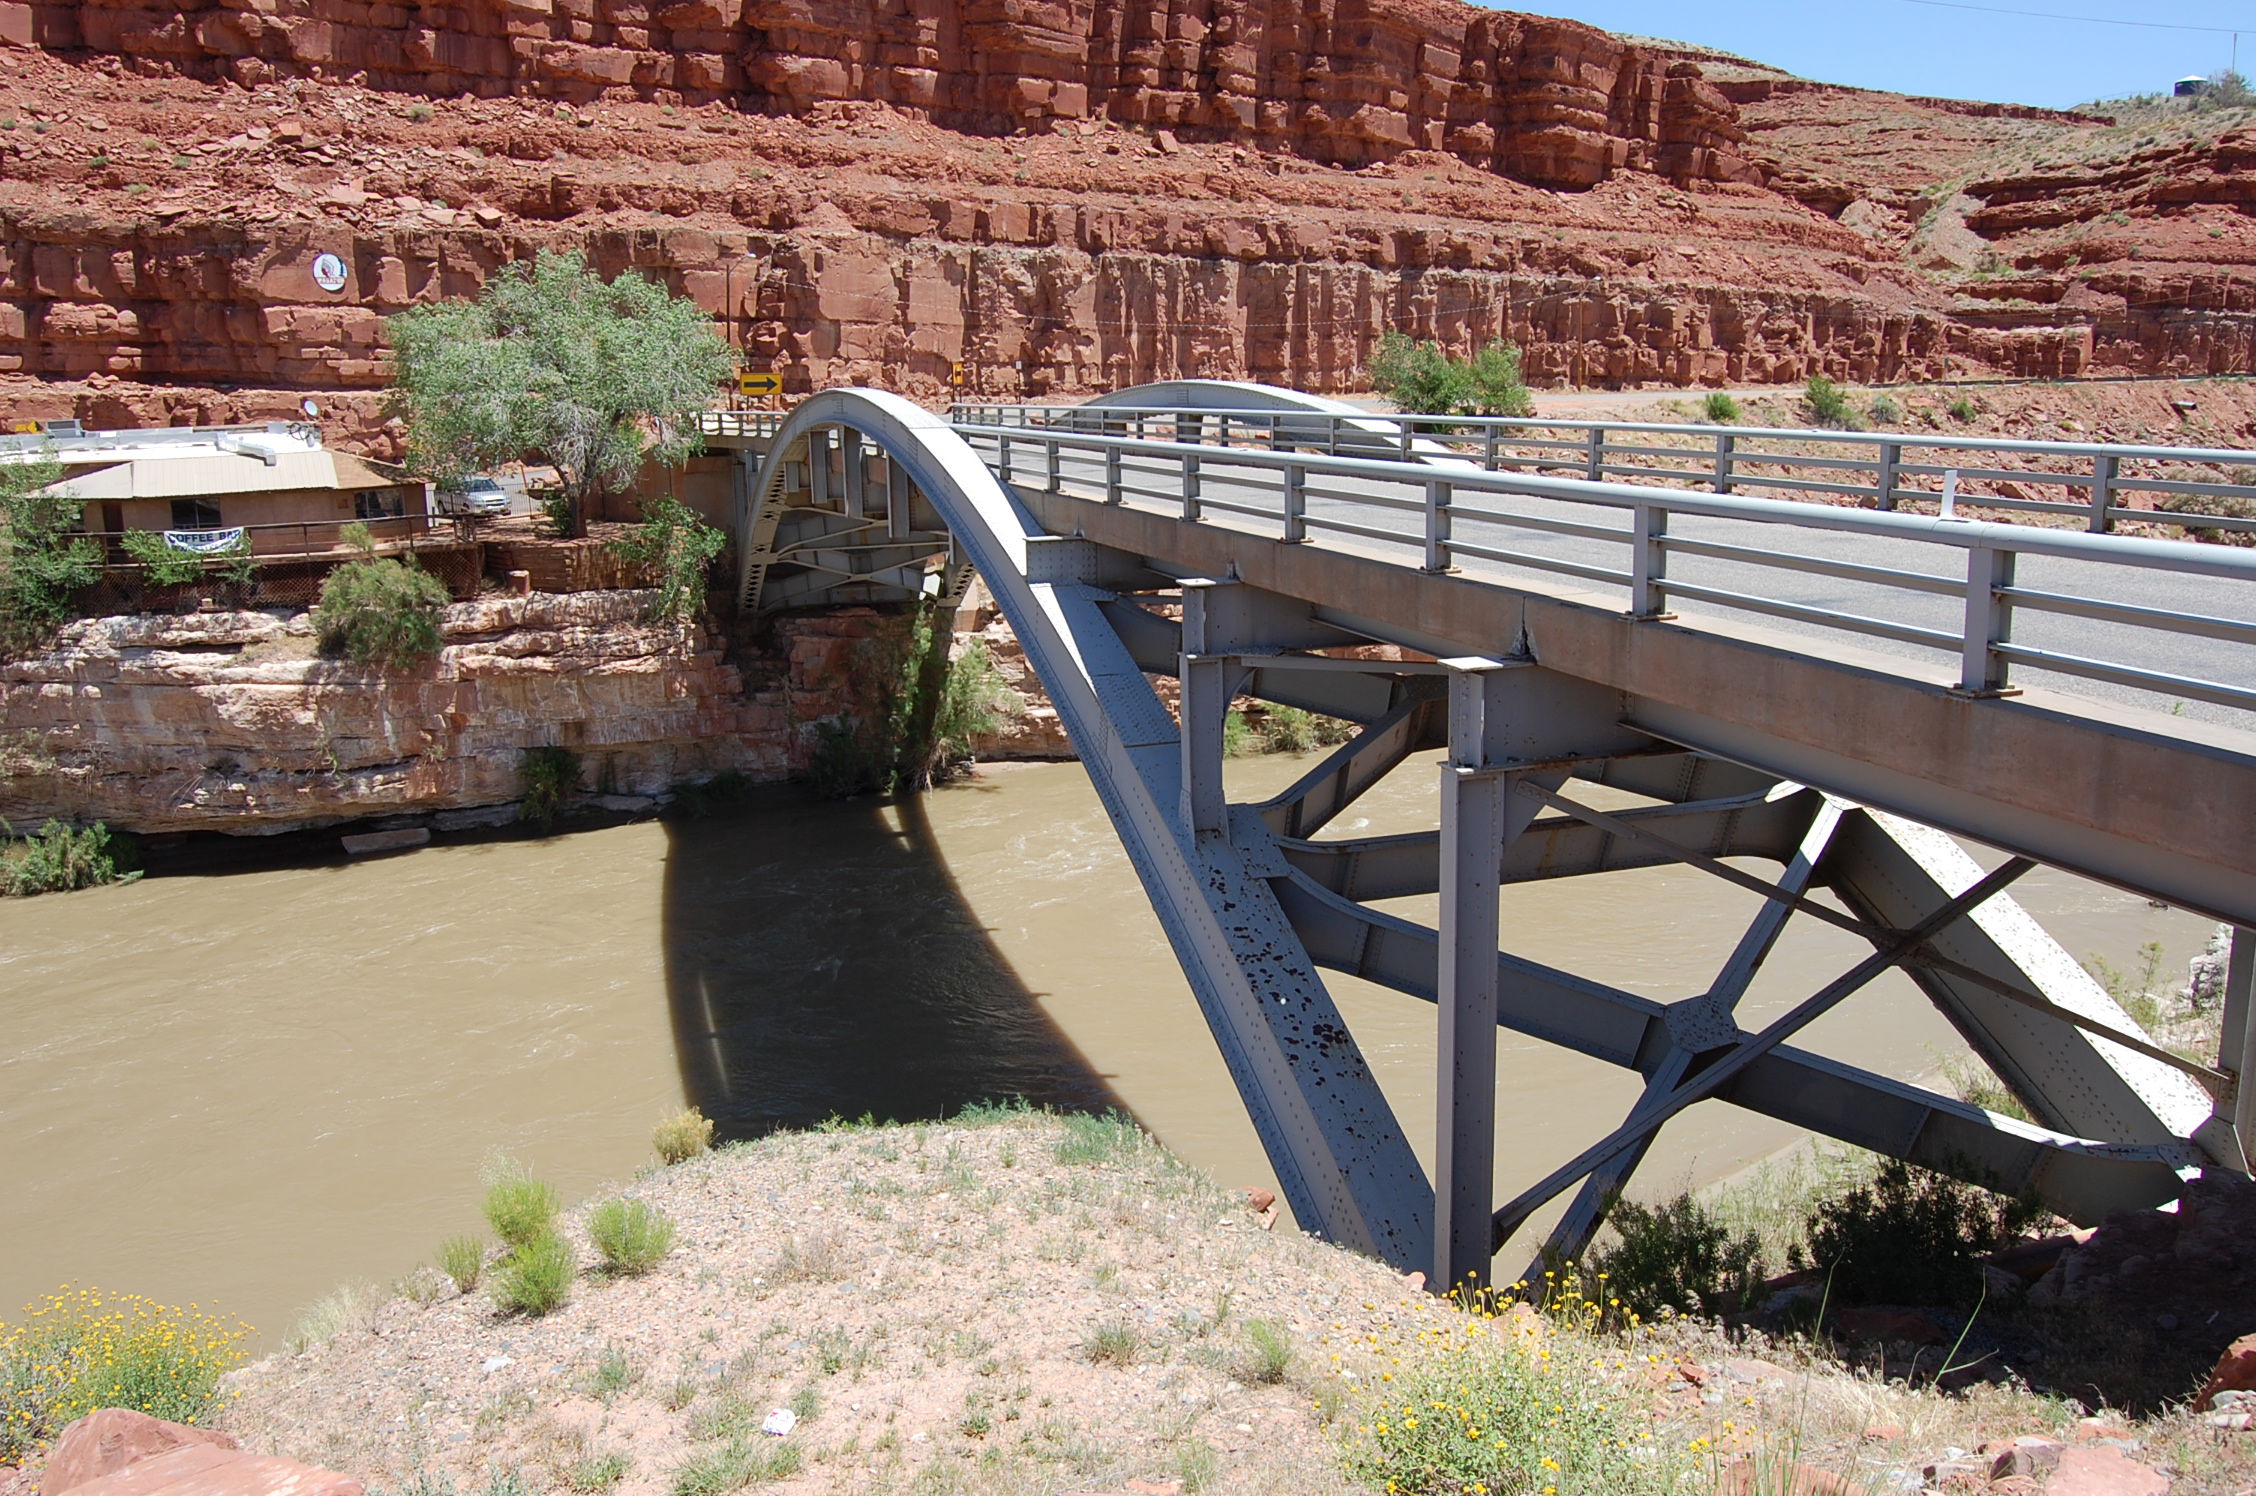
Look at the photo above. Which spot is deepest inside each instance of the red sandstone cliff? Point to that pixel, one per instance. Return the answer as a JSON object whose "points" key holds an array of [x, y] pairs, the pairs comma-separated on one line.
{"points": [[1062, 197]]}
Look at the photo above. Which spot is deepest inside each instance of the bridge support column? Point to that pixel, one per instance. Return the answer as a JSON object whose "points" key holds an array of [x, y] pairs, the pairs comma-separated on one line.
{"points": [[1479, 818]]}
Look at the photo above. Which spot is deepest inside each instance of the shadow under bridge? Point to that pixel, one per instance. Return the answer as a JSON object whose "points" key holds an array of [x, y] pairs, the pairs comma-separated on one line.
{"points": [[1727, 745]]}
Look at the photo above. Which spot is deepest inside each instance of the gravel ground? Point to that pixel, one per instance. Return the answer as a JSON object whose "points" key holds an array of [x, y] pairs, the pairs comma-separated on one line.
{"points": [[932, 1299]]}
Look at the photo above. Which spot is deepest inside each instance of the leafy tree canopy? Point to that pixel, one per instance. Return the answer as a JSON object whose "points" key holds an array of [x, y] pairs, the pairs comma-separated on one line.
{"points": [[43, 558], [552, 363]]}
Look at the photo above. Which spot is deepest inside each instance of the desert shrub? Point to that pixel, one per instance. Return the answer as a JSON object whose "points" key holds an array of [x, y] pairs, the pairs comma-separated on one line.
{"points": [[1827, 402], [1912, 1237], [1718, 408], [1472, 1409], [1112, 1342], [1676, 1257], [462, 1259], [60, 859], [598, 1472], [1097, 1140], [380, 613], [1418, 377], [1961, 409], [632, 1235], [1497, 387], [83, 1349], [682, 1136], [544, 777], [918, 712], [1421, 379], [1272, 1351], [161, 565], [1289, 730], [680, 548], [348, 1306], [1884, 411], [2224, 506], [1238, 738], [745, 1460], [556, 511], [519, 1208], [537, 1277]]}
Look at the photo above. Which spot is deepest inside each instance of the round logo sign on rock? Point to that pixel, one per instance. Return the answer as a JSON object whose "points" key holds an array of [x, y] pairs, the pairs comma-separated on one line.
{"points": [[329, 272]]}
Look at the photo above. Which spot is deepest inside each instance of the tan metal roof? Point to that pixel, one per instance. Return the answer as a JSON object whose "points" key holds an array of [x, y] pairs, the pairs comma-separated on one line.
{"points": [[210, 477]]}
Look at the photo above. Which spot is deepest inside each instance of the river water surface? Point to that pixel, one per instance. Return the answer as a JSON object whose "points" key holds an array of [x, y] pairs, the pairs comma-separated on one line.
{"points": [[246, 1089]]}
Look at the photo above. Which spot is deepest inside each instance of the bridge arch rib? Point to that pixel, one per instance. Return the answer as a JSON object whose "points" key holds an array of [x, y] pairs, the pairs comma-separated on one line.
{"points": [[865, 497]]}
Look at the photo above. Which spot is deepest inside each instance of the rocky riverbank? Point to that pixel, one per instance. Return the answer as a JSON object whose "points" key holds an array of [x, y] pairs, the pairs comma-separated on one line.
{"points": [[232, 721]]}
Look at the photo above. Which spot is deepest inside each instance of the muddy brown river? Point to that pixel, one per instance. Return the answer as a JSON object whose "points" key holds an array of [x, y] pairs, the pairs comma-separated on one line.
{"points": [[243, 1090]]}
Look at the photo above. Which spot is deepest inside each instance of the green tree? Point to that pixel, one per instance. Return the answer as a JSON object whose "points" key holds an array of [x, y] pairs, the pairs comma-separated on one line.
{"points": [[1498, 387], [680, 547], [551, 362], [1421, 379], [380, 613], [43, 558], [1418, 377]]}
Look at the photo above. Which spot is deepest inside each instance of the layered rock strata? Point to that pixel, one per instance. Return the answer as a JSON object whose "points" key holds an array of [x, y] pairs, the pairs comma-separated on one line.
{"points": [[1552, 102], [231, 722]]}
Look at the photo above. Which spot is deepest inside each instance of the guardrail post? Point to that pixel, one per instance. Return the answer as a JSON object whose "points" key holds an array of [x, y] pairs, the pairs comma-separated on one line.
{"points": [[1726, 445], [1648, 562], [1989, 621], [1112, 494], [1884, 483], [2104, 469], [1402, 424], [1002, 458], [1190, 486], [1276, 423], [1050, 458], [1488, 446], [1437, 526], [1595, 467], [1296, 504]]}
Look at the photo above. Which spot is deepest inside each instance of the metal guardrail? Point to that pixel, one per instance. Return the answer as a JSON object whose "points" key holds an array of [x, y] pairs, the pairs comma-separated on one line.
{"points": [[1724, 459], [740, 423], [1371, 498], [307, 540]]}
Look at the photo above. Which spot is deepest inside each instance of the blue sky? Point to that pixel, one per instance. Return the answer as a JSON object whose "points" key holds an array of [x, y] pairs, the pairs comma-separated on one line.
{"points": [[1911, 47]]}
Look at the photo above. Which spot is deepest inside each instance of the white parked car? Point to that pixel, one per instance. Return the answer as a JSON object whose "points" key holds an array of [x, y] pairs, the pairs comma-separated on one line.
{"points": [[478, 496]]}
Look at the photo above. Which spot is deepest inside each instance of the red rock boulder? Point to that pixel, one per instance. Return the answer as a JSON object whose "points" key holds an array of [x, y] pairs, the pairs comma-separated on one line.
{"points": [[114, 1452], [2236, 1372], [107, 1440]]}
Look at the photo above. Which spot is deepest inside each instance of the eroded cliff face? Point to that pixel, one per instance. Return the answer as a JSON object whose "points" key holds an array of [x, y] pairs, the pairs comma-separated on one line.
{"points": [[1009, 199], [230, 721], [1551, 102]]}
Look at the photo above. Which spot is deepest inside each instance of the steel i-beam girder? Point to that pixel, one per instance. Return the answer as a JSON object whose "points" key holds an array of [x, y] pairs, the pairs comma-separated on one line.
{"points": [[1255, 904]]}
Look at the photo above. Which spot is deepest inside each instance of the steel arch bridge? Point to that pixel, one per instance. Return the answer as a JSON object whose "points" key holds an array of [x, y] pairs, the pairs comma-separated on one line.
{"points": [[1838, 772]]}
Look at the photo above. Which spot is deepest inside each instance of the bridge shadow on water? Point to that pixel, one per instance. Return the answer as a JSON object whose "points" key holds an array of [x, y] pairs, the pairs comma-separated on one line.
{"points": [[822, 961]]}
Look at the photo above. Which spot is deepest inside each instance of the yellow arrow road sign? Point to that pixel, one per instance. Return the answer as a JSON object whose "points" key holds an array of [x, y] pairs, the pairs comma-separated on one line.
{"points": [[748, 383]]}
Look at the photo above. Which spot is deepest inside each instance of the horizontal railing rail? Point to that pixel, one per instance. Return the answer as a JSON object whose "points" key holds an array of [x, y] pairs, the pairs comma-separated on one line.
{"points": [[740, 423], [2096, 479], [314, 539], [1629, 539]]}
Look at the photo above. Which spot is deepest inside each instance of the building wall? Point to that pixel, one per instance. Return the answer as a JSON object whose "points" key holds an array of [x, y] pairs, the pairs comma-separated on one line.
{"points": [[706, 484], [323, 511]]}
